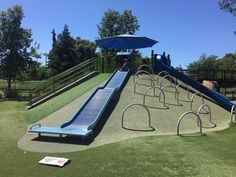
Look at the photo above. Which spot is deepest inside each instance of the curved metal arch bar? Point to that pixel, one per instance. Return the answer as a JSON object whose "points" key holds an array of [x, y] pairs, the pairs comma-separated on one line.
{"points": [[162, 72], [191, 100], [145, 94], [152, 84], [145, 65], [209, 111], [183, 115], [164, 97], [140, 72], [176, 91], [233, 114], [154, 93], [170, 77], [137, 104], [177, 86]]}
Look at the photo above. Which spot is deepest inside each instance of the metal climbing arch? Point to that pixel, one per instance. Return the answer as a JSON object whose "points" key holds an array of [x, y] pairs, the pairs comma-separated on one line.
{"points": [[152, 84], [171, 78], [142, 72], [233, 114], [160, 73], [136, 104], [191, 100], [209, 112], [183, 116], [145, 66], [154, 94]]}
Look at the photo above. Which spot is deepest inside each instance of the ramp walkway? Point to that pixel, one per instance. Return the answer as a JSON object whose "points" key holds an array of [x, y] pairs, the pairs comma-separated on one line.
{"points": [[88, 115]]}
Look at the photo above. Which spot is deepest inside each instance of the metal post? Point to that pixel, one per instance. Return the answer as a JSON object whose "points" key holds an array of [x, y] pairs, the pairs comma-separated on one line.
{"points": [[152, 60], [53, 84], [30, 97], [102, 65]]}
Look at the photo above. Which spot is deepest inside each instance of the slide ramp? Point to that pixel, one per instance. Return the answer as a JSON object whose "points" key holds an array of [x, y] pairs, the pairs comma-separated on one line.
{"points": [[219, 99], [88, 115]]}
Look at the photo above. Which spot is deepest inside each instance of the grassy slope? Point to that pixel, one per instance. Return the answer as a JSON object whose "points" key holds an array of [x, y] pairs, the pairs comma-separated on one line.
{"points": [[63, 99], [211, 155]]}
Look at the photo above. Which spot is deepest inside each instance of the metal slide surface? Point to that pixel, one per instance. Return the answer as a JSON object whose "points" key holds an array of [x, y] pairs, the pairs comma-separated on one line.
{"points": [[88, 115], [222, 101], [91, 110]]}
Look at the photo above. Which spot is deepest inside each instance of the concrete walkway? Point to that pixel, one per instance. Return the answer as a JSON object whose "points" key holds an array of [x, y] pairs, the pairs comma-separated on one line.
{"points": [[162, 119]]}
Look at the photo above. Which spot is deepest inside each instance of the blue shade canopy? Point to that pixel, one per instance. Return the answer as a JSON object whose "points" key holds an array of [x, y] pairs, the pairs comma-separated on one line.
{"points": [[125, 41]]}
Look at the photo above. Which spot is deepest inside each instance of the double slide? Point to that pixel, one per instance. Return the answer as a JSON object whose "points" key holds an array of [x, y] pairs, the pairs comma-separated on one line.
{"points": [[87, 117], [219, 99]]}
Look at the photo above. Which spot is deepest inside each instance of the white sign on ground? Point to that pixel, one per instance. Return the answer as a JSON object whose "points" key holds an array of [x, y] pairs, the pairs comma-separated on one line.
{"points": [[55, 161]]}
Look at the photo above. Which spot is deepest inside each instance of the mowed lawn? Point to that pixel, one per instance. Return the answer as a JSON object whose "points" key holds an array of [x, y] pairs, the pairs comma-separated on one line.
{"points": [[19, 85], [211, 155]]}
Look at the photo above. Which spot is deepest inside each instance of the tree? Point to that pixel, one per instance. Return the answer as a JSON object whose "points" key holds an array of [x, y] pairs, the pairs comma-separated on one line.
{"points": [[228, 62], [67, 52], [84, 49], [228, 6], [53, 54], [113, 23], [62, 56], [129, 23], [38, 72], [16, 52], [210, 62], [110, 24]]}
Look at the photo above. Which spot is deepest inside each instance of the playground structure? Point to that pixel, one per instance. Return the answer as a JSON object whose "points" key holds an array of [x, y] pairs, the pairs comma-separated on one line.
{"points": [[87, 117], [168, 80], [168, 77]]}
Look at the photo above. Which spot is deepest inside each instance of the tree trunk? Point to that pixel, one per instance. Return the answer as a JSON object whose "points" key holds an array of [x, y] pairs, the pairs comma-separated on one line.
{"points": [[9, 83]]}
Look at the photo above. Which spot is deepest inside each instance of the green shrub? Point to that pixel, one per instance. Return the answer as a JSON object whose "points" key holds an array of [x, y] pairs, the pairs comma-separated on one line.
{"points": [[11, 94], [2, 94]]}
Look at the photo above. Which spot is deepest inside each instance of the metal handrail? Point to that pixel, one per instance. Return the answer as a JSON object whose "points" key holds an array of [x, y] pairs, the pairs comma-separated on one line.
{"points": [[137, 104], [183, 115], [56, 82], [53, 87], [209, 111], [66, 72]]}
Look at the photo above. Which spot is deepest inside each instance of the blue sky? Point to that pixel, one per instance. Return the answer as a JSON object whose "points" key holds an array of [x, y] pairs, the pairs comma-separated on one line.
{"points": [[184, 28]]}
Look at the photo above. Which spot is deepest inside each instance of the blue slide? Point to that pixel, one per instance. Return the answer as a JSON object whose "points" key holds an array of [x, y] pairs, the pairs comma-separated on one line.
{"points": [[88, 115], [219, 99]]}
